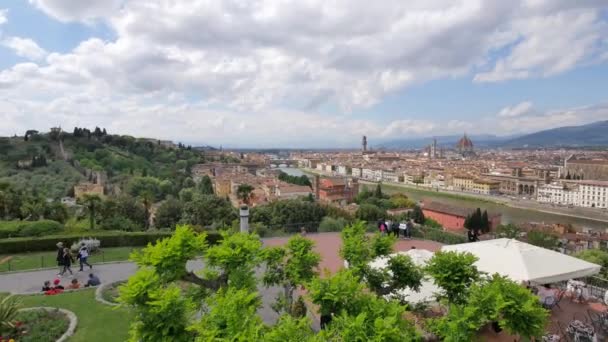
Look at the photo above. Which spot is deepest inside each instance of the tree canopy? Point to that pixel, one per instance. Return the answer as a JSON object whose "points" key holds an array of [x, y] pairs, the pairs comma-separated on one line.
{"points": [[221, 302]]}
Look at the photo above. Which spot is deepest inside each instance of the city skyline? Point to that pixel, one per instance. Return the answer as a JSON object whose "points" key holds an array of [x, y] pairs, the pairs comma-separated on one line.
{"points": [[306, 74]]}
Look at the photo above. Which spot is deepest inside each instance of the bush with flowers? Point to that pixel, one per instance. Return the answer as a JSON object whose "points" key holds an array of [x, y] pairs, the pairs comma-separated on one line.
{"points": [[36, 325]]}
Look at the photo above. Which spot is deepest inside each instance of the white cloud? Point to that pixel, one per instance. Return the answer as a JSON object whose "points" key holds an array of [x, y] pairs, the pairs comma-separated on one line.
{"points": [[523, 108], [77, 10], [401, 128], [3, 16], [25, 47], [191, 62], [550, 44]]}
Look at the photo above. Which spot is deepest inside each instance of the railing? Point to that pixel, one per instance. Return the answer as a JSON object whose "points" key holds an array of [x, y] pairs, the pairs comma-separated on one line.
{"points": [[22, 262], [597, 286]]}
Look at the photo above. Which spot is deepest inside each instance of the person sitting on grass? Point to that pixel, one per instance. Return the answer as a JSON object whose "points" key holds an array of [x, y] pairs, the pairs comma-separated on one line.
{"points": [[46, 286], [74, 285], [56, 289], [93, 281], [57, 285]]}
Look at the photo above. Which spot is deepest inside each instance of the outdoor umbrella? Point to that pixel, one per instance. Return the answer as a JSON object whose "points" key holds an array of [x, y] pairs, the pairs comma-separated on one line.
{"points": [[522, 261]]}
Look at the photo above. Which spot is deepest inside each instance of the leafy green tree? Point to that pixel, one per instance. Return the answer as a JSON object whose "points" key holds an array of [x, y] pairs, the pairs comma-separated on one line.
{"points": [[342, 291], [485, 222], [454, 273], [92, 202], [232, 317], [289, 215], [33, 209], [56, 211], [186, 195], [330, 224], [370, 212], [496, 299], [205, 186], [355, 247], [542, 239], [147, 200], [169, 213], [595, 256], [418, 215], [358, 315], [400, 200], [204, 210], [243, 192], [290, 267], [140, 185], [237, 255], [400, 273], [298, 180], [378, 192], [509, 231]]}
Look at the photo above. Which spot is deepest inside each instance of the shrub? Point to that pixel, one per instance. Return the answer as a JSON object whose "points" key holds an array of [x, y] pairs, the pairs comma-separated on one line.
{"points": [[330, 224], [107, 239], [29, 228], [439, 236]]}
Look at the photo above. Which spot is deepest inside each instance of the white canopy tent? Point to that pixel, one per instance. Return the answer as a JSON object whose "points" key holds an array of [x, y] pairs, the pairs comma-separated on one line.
{"points": [[427, 289], [521, 261]]}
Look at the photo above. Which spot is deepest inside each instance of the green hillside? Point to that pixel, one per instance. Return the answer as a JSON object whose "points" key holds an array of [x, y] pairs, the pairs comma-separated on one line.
{"points": [[37, 164]]}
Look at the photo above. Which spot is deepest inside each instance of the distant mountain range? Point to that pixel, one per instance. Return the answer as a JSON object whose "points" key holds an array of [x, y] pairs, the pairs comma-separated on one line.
{"points": [[593, 134], [590, 135]]}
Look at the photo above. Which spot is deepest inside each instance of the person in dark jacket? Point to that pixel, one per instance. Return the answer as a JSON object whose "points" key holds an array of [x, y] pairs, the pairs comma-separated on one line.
{"points": [[67, 260], [395, 229], [60, 257], [93, 281], [46, 286]]}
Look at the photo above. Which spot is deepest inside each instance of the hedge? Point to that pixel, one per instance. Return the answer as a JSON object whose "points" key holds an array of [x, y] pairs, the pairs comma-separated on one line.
{"points": [[29, 228], [438, 235], [108, 239]]}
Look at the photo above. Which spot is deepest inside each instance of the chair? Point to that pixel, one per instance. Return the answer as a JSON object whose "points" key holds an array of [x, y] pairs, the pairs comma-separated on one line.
{"points": [[598, 321]]}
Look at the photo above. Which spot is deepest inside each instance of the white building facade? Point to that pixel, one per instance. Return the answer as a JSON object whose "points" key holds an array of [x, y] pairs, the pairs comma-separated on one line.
{"points": [[593, 194]]}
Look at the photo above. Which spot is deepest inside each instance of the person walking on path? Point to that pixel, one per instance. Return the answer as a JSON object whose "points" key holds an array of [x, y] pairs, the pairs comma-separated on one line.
{"points": [[60, 256], [67, 261], [83, 255]]}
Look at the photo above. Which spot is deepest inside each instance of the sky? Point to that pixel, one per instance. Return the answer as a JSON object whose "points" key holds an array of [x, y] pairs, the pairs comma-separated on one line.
{"points": [[306, 73]]}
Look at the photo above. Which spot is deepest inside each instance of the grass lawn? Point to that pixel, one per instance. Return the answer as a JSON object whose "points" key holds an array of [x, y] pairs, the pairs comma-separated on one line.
{"points": [[28, 261], [96, 321]]}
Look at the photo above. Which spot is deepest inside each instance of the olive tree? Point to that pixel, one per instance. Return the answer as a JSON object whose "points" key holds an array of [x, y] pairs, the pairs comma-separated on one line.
{"points": [[290, 266], [454, 273]]}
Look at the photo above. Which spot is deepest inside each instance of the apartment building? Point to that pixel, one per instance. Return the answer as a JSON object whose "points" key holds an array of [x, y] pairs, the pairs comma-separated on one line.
{"points": [[558, 193], [389, 176], [486, 187], [593, 194]]}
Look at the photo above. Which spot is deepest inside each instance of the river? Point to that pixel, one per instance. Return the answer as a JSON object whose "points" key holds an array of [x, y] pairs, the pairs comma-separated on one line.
{"points": [[509, 214]]}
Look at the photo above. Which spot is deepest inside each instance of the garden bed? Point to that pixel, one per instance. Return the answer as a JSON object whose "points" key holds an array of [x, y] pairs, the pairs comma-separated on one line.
{"points": [[108, 293], [41, 325]]}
